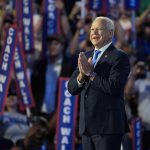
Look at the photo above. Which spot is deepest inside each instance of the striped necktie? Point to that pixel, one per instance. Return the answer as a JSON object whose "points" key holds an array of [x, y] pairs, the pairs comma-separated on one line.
{"points": [[96, 53]]}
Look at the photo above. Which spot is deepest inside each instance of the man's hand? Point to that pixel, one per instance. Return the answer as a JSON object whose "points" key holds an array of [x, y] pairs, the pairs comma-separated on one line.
{"points": [[81, 75], [81, 78], [85, 65]]}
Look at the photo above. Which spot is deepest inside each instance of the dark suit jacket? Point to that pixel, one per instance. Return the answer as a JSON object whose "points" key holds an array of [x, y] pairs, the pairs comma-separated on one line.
{"points": [[102, 105]]}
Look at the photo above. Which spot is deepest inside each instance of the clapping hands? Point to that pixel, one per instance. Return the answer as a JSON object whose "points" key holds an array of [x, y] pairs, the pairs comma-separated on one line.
{"points": [[85, 65]]}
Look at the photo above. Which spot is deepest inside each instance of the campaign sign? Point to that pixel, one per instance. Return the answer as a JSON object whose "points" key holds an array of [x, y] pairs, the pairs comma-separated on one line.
{"points": [[6, 62], [132, 4], [51, 22], [66, 120], [27, 25], [51, 17], [95, 5], [137, 136], [22, 80]]}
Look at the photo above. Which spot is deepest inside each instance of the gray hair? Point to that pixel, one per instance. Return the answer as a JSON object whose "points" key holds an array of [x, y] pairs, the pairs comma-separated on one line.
{"points": [[108, 22]]}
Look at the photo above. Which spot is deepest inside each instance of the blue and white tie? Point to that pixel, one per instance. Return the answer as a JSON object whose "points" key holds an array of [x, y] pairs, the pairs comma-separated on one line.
{"points": [[96, 53]]}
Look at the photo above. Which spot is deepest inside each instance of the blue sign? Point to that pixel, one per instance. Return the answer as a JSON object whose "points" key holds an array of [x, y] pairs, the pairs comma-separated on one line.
{"points": [[6, 63], [66, 120], [27, 25], [132, 4], [95, 5], [137, 136], [22, 79], [51, 22]]}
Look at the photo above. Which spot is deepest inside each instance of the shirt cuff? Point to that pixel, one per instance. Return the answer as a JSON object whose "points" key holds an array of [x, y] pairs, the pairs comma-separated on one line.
{"points": [[79, 83]]}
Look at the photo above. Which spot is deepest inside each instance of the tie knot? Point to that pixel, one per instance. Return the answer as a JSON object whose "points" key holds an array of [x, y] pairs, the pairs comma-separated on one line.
{"points": [[96, 53]]}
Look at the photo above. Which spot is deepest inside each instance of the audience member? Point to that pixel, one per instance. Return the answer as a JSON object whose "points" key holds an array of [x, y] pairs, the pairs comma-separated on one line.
{"points": [[46, 73], [36, 136], [14, 125], [139, 84]]}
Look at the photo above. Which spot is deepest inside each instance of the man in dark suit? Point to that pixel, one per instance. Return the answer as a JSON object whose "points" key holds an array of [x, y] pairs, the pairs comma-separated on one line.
{"points": [[101, 81]]}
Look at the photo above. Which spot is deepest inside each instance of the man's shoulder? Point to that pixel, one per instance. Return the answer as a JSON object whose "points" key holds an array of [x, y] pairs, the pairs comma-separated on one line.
{"points": [[119, 52]]}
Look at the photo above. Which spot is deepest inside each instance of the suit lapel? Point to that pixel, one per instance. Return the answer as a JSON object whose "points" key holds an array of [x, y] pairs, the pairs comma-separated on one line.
{"points": [[106, 54]]}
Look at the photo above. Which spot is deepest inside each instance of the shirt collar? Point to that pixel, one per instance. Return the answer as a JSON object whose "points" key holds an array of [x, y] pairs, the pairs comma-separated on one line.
{"points": [[102, 49]]}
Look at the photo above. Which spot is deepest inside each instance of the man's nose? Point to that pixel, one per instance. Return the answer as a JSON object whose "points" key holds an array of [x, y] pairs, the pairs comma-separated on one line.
{"points": [[95, 31]]}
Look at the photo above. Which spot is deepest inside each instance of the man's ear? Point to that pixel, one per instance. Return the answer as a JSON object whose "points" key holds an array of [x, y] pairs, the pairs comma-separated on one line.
{"points": [[111, 33]]}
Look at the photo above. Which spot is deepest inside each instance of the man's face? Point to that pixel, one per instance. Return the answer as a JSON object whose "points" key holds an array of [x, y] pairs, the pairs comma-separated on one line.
{"points": [[99, 34], [55, 48]]}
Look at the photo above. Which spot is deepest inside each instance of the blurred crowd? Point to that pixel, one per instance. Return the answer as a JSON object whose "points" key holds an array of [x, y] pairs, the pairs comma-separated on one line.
{"points": [[19, 131]]}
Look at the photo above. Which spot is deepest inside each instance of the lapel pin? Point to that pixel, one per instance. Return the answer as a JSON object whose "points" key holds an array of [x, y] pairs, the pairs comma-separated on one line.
{"points": [[106, 56]]}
